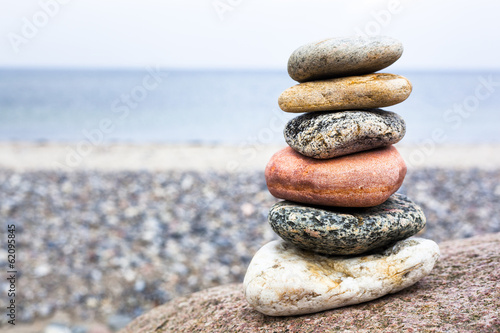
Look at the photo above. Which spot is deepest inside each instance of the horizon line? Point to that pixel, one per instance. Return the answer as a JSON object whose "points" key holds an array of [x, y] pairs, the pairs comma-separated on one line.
{"points": [[220, 69]]}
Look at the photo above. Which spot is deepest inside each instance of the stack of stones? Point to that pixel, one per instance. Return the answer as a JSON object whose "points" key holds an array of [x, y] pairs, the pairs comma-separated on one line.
{"points": [[345, 232]]}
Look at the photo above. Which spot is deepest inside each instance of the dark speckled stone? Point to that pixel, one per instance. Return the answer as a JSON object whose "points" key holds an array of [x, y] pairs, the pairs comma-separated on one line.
{"points": [[343, 56], [346, 231], [326, 135]]}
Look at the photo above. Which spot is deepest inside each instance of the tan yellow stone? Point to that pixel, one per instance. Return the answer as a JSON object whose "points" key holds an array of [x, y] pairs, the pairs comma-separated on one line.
{"points": [[346, 93], [283, 280]]}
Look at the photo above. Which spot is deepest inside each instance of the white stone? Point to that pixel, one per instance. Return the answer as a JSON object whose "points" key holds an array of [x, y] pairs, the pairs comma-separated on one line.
{"points": [[56, 328], [282, 280], [42, 270]]}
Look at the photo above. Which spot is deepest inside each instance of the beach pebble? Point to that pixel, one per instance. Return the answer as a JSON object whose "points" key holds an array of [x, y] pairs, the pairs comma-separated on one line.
{"points": [[346, 93], [283, 280], [343, 56], [346, 231], [330, 134], [364, 179], [117, 321], [56, 328]]}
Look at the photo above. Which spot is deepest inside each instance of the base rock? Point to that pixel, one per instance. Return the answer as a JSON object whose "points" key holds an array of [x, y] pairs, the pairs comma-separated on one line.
{"points": [[460, 294]]}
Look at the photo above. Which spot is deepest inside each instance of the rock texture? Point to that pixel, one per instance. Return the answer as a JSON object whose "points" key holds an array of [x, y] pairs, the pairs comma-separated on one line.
{"points": [[346, 93], [331, 134], [343, 56], [460, 294], [364, 179], [340, 231], [282, 280]]}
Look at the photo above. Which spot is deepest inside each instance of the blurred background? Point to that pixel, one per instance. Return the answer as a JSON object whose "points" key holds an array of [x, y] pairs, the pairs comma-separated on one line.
{"points": [[134, 135]]}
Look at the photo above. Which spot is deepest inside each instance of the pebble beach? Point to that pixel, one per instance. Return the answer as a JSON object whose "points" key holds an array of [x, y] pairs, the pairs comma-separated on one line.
{"points": [[101, 240]]}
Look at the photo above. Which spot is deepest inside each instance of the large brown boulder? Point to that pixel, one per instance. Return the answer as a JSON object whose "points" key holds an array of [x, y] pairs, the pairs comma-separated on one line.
{"points": [[462, 294]]}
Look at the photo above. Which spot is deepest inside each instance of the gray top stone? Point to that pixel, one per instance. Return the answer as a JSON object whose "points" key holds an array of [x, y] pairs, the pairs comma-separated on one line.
{"points": [[346, 231], [325, 135], [343, 56]]}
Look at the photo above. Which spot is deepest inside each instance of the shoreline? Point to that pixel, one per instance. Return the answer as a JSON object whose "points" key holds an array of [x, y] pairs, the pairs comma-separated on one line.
{"points": [[26, 156]]}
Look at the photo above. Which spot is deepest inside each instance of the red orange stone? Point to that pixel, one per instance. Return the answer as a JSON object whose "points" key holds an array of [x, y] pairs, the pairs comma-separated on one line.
{"points": [[363, 179]]}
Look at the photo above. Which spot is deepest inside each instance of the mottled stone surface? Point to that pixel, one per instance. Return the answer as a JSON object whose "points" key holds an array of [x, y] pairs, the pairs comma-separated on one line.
{"points": [[460, 294], [363, 179], [346, 93], [346, 231], [331, 134], [283, 280], [343, 56]]}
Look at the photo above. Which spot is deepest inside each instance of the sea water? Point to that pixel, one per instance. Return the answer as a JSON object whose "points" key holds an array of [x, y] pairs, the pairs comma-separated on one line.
{"points": [[219, 107]]}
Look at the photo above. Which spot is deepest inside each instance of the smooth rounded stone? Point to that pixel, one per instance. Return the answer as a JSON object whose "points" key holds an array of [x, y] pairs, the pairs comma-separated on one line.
{"points": [[331, 134], [346, 93], [346, 231], [283, 280], [343, 56], [363, 179]]}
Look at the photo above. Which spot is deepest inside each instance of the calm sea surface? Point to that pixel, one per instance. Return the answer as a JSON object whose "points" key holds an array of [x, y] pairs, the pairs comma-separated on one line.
{"points": [[229, 107]]}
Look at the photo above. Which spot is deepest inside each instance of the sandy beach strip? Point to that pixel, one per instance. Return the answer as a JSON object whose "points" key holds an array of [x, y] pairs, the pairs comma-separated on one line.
{"points": [[21, 156]]}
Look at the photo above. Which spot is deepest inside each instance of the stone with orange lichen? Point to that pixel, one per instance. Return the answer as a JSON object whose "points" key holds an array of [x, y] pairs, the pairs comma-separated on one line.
{"points": [[347, 93], [283, 280], [346, 231], [343, 56], [363, 179]]}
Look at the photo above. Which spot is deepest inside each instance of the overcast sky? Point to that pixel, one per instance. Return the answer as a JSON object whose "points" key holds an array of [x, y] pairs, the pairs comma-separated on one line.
{"points": [[436, 34]]}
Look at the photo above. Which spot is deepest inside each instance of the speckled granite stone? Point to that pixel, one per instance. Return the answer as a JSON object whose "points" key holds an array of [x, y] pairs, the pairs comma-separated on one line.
{"points": [[331, 134], [346, 93], [460, 294], [343, 56], [363, 179], [342, 231], [283, 280]]}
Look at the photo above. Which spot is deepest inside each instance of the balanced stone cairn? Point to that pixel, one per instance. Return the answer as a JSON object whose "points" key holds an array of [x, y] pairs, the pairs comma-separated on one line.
{"points": [[345, 232]]}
